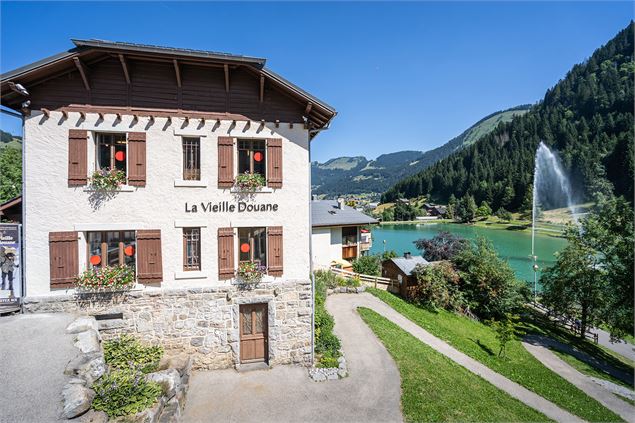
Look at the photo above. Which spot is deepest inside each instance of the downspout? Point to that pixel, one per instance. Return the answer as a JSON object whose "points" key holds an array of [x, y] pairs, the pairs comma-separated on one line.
{"points": [[311, 260]]}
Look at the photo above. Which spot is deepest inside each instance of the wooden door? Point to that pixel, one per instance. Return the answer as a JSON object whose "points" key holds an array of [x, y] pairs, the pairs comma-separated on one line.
{"points": [[253, 333]]}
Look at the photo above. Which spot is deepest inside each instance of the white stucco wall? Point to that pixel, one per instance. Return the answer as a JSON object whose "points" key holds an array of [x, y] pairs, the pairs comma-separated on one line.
{"points": [[327, 245], [50, 205]]}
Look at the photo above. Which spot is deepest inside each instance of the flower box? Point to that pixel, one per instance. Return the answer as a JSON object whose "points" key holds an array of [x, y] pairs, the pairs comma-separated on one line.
{"points": [[107, 179], [250, 181], [106, 279], [250, 272]]}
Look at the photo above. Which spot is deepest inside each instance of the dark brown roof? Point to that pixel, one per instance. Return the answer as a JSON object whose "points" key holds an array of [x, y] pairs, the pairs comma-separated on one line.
{"points": [[92, 51]]}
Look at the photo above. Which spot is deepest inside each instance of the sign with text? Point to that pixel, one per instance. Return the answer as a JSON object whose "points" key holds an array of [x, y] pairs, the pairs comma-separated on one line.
{"points": [[227, 207], [10, 264]]}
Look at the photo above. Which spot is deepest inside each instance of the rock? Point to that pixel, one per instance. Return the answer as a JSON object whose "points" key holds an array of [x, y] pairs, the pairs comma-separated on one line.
{"points": [[78, 381], [332, 376], [89, 367], [361, 289], [351, 289], [92, 416], [181, 362], [171, 412], [87, 341], [77, 400], [342, 373], [170, 381], [82, 324], [318, 376]]}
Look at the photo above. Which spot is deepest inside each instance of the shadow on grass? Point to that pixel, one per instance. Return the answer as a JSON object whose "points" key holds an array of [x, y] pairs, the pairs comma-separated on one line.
{"points": [[484, 347]]}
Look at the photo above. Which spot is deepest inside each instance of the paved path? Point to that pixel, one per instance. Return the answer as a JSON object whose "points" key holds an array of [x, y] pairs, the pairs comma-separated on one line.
{"points": [[371, 392], [34, 350], [512, 388], [537, 348], [622, 347]]}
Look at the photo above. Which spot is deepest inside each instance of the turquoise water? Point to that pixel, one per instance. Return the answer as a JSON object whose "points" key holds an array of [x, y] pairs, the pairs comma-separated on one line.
{"points": [[514, 246]]}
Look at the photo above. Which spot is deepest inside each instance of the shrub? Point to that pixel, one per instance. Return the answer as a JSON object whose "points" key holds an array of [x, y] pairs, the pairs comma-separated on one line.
{"points": [[124, 391], [438, 287], [443, 246], [106, 278], [328, 360], [327, 345], [503, 214], [368, 265], [506, 330], [328, 279], [127, 351]]}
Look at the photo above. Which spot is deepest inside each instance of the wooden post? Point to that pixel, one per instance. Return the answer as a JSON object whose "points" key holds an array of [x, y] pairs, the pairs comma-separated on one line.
{"points": [[375, 282]]}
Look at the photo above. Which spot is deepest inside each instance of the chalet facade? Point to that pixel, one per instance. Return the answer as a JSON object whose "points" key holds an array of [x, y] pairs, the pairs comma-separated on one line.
{"points": [[401, 269], [339, 233], [180, 128]]}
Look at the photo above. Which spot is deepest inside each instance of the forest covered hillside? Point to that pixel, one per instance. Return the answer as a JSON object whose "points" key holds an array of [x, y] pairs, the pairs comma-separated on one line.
{"points": [[357, 175], [587, 117]]}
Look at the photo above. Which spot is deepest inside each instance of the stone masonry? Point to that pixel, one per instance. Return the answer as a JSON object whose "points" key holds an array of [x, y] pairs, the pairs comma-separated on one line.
{"points": [[203, 322]]}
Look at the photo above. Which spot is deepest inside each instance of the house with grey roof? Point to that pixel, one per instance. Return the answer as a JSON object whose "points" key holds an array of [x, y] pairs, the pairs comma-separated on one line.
{"points": [[338, 233], [401, 269]]}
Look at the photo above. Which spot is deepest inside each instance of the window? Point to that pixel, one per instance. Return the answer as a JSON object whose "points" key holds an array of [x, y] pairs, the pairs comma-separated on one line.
{"points": [[251, 156], [252, 245], [191, 249], [111, 151], [349, 235], [191, 159], [111, 248]]}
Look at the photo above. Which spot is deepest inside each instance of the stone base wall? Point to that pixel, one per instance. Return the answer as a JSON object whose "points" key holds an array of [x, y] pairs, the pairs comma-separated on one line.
{"points": [[203, 322]]}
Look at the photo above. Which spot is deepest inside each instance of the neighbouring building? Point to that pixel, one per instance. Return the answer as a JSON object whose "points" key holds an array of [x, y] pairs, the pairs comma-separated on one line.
{"points": [[400, 268], [339, 233], [11, 210], [434, 210], [180, 126]]}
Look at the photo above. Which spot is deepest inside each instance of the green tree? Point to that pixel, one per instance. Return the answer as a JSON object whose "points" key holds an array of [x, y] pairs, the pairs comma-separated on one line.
{"points": [[387, 215], [575, 285], [487, 281], [466, 211], [10, 173], [506, 330], [484, 210], [503, 214]]}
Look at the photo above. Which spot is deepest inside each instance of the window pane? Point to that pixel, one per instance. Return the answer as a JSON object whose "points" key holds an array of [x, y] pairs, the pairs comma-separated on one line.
{"points": [[191, 159], [252, 245], [259, 319], [103, 151], [246, 318], [259, 157], [244, 244], [243, 161], [94, 249], [112, 241], [129, 248], [112, 151], [260, 251], [191, 249]]}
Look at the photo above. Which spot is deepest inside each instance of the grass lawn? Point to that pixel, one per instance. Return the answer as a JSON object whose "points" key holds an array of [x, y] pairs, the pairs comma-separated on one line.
{"points": [[434, 388], [478, 341]]}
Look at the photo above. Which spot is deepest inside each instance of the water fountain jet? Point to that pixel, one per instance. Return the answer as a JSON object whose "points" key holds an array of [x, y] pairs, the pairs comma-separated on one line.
{"points": [[551, 189]]}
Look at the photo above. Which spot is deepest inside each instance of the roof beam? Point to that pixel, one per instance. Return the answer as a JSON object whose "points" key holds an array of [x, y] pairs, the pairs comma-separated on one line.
{"points": [[262, 88], [82, 71], [177, 72], [124, 65], [309, 106], [226, 67]]}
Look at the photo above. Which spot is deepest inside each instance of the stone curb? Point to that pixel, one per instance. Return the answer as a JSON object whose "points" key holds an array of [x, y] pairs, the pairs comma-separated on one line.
{"points": [[321, 374]]}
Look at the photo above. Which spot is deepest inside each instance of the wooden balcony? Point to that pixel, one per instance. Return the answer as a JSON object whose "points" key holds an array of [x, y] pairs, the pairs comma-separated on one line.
{"points": [[349, 252]]}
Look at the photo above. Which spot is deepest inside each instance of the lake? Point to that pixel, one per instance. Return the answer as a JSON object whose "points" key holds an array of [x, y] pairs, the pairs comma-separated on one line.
{"points": [[514, 246]]}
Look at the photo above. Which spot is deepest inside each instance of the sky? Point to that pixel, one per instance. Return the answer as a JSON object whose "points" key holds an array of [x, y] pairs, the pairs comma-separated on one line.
{"points": [[402, 76]]}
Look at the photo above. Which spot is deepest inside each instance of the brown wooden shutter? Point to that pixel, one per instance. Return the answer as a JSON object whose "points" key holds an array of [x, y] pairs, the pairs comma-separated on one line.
{"points": [[225, 162], [149, 264], [274, 162], [64, 258], [274, 250], [225, 253], [137, 159], [77, 157]]}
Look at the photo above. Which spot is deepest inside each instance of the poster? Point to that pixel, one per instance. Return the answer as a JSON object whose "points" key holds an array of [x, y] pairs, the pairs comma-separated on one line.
{"points": [[10, 264]]}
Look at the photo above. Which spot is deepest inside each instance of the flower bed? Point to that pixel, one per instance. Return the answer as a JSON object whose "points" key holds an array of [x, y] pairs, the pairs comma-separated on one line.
{"points": [[250, 181], [250, 272], [107, 179], [107, 278]]}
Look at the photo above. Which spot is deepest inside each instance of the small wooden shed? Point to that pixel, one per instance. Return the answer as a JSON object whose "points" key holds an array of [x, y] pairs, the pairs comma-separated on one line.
{"points": [[400, 268]]}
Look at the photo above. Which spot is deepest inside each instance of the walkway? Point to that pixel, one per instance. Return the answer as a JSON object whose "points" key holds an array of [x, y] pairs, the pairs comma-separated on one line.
{"points": [[35, 350], [622, 347], [371, 392], [537, 346], [512, 388]]}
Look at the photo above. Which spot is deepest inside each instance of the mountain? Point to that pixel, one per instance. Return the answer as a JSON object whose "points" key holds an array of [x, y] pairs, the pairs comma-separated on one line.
{"points": [[357, 175], [587, 117]]}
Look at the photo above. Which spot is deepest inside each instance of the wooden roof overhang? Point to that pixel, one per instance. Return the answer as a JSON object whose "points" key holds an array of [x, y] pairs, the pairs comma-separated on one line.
{"points": [[88, 53]]}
